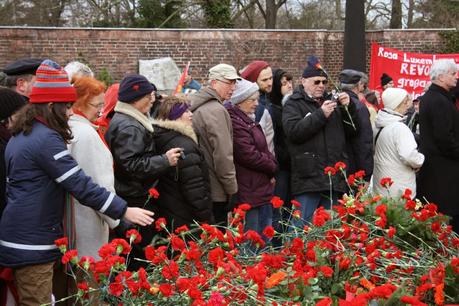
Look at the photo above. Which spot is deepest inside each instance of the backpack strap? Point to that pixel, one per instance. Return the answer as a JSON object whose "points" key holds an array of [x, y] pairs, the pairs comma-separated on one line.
{"points": [[377, 135]]}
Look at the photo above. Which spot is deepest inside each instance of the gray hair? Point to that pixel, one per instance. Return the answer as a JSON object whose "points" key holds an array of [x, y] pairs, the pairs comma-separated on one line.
{"points": [[349, 86], [78, 69], [442, 66]]}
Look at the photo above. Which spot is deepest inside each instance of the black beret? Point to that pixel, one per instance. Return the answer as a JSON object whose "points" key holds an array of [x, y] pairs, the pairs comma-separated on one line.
{"points": [[23, 66], [349, 76]]}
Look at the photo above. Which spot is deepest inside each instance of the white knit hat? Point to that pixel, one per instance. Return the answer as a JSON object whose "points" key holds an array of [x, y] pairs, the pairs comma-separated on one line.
{"points": [[392, 97], [244, 90]]}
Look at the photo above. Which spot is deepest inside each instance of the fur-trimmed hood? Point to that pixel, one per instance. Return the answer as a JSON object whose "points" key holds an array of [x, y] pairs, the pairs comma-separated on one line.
{"points": [[128, 109], [177, 126]]}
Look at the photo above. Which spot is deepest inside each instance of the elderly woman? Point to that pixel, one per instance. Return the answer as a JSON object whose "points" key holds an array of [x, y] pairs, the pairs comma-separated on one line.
{"points": [[93, 156], [40, 173], [255, 165], [396, 153], [138, 164], [184, 189]]}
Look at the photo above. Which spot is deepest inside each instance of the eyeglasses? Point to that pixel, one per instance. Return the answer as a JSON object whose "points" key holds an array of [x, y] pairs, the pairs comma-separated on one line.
{"points": [[317, 82], [97, 106], [233, 82]]}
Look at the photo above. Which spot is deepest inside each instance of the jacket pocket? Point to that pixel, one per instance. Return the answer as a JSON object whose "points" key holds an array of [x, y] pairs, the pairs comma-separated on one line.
{"points": [[305, 164]]}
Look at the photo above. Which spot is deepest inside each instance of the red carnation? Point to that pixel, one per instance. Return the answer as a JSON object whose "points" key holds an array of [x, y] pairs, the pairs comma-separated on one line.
{"points": [[326, 271], [166, 289], [277, 202], [153, 193], [340, 166], [386, 182], [134, 236], [330, 171], [160, 224], [177, 243], [62, 244], [391, 232], [269, 232], [295, 203], [121, 246], [244, 207], [182, 229], [324, 302], [70, 256]]}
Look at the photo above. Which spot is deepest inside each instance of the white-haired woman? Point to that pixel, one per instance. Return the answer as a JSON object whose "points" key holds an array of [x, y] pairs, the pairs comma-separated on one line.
{"points": [[396, 153]]}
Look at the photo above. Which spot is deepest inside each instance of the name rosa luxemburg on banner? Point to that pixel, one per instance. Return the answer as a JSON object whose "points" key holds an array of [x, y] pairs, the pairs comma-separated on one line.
{"points": [[409, 71]]}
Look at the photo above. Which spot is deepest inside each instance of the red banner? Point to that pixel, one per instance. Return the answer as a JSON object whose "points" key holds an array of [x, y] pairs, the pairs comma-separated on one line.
{"points": [[409, 71]]}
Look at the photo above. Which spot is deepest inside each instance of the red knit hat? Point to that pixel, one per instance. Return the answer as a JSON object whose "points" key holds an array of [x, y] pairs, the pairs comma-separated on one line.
{"points": [[252, 71], [52, 85]]}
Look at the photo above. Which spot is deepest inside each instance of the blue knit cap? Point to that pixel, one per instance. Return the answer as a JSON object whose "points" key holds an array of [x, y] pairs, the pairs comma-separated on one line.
{"points": [[133, 87]]}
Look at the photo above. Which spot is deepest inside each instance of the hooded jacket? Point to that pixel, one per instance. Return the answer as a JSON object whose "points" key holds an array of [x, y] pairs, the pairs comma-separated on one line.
{"points": [[185, 189], [396, 154], [280, 140], [212, 124]]}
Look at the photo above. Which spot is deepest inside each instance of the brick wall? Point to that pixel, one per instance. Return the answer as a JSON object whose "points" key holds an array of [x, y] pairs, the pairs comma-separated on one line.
{"points": [[118, 50]]}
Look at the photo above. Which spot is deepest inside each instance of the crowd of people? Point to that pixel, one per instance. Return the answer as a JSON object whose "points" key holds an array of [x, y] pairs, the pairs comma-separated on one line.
{"points": [[80, 160]]}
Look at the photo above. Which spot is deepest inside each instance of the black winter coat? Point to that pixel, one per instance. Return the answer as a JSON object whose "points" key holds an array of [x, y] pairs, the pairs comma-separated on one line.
{"points": [[360, 147], [138, 165], [439, 142], [185, 189], [280, 141], [315, 142]]}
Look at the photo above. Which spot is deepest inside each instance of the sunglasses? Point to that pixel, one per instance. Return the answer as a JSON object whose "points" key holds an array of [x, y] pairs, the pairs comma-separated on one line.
{"points": [[317, 82]]}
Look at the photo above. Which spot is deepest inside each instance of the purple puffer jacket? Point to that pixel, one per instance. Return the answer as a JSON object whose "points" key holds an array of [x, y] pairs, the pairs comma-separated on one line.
{"points": [[255, 165]]}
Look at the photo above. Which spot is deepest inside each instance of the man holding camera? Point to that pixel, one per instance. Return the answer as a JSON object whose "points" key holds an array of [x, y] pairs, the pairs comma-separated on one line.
{"points": [[317, 125]]}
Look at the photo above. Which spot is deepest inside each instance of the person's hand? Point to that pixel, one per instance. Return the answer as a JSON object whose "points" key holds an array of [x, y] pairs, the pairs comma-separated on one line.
{"points": [[139, 216], [328, 107], [173, 156], [344, 98]]}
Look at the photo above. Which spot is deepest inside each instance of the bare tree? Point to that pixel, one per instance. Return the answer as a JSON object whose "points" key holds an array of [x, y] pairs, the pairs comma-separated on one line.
{"points": [[270, 12], [396, 15]]}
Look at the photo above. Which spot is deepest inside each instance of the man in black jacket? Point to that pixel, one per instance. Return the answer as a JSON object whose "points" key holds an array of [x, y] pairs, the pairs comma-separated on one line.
{"points": [[439, 141], [360, 147], [317, 126]]}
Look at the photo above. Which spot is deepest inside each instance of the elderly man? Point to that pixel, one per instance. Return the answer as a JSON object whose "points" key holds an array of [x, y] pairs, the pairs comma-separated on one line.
{"points": [[316, 126], [439, 141], [213, 126], [360, 147], [20, 75]]}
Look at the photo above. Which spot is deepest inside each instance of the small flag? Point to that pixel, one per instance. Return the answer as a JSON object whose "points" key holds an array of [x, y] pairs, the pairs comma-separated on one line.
{"points": [[181, 82]]}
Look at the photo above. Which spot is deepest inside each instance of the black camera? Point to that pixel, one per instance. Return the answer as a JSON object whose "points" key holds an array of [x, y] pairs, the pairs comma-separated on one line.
{"points": [[335, 96]]}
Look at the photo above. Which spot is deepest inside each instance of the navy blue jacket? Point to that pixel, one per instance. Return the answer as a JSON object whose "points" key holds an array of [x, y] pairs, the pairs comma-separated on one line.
{"points": [[40, 171]]}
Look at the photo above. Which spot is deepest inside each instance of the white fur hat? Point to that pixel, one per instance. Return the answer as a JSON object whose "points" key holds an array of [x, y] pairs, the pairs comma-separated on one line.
{"points": [[392, 97]]}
